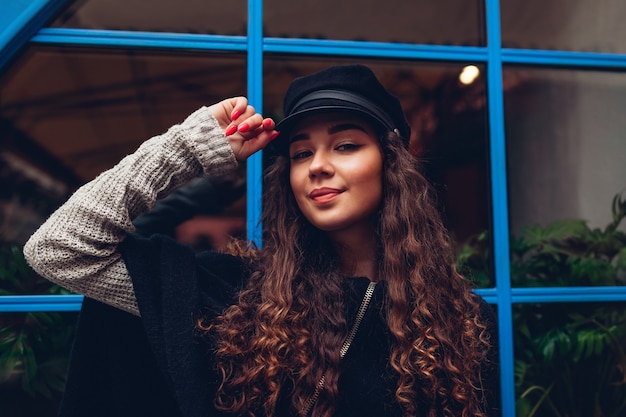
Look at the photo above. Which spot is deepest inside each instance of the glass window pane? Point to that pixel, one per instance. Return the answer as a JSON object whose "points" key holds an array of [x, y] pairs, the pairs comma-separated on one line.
{"points": [[34, 355], [566, 158], [449, 133], [569, 358], [70, 113], [407, 21], [578, 25], [192, 16]]}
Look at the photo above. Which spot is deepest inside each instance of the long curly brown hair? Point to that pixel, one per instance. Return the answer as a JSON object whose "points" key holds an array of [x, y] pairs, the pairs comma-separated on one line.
{"points": [[286, 330]]}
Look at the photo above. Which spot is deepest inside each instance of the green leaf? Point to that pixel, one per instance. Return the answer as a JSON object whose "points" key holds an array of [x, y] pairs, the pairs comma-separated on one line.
{"points": [[523, 406], [558, 230], [30, 365], [8, 364], [53, 373], [592, 271], [520, 369]]}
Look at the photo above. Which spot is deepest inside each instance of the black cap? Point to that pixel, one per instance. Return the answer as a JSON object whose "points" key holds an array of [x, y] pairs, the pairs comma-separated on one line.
{"points": [[352, 88]]}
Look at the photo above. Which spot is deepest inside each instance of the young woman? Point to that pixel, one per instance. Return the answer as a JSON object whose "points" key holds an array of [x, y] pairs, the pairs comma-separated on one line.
{"points": [[353, 305]]}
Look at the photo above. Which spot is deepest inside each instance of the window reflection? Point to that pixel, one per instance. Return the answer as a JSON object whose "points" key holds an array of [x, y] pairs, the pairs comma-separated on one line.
{"points": [[577, 25], [448, 22], [566, 153], [569, 359], [566, 160], [192, 16], [90, 107], [67, 114]]}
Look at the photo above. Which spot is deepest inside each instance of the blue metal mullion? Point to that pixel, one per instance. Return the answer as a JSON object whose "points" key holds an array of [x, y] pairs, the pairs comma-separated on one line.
{"points": [[13, 303], [19, 20], [375, 49], [88, 37], [567, 59], [27, 303], [119, 38], [497, 148], [488, 294], [568, 295], [255, 98]]}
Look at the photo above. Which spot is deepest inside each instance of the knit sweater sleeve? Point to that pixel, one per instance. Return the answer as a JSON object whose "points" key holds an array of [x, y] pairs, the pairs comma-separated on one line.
{"points": [[77, 247]]}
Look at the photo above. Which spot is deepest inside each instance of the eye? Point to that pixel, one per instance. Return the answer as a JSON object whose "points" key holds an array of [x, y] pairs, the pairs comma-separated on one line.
{"points": [[347, 147], [300, 155]]}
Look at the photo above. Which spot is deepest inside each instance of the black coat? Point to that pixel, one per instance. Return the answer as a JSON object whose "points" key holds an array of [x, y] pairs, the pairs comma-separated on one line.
{"points": [[159, 364]]}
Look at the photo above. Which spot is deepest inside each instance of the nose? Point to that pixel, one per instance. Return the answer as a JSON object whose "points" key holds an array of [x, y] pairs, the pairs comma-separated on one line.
{"points": [[321, 165]]}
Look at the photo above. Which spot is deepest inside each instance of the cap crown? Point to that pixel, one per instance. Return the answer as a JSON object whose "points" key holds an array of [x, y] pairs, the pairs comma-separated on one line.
{"points": [[356, 80]]}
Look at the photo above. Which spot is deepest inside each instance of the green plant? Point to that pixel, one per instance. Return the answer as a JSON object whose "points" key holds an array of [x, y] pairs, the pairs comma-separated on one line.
{"points": [[34, 347], [570, 360]]}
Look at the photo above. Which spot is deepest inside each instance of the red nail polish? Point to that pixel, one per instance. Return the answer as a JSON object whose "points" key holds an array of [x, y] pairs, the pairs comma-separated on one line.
{"points": [[243, 127], [235, 114], [267, 122], [274, 135], [231, 129]]}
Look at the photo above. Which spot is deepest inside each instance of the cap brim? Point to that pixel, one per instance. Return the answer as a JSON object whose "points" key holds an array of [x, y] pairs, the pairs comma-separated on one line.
{"points": [[286, 125]]}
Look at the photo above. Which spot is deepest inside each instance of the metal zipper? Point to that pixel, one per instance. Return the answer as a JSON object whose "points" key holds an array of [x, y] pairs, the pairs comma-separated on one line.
{"points": [[344, 347]]}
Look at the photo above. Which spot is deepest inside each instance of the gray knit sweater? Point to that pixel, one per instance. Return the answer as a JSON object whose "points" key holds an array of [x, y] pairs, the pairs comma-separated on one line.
{"points": [[77, 247]]}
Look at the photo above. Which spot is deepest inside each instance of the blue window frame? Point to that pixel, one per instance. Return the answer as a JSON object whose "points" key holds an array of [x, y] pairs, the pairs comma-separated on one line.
{"points": [[22, 23]]}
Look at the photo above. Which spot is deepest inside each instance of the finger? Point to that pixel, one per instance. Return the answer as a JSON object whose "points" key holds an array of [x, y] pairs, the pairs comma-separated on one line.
{"points": [[249, 126], [256, 143], [231, 108], [259, 141], [240, 106], [264, 138], [224, 110], [268, 124]]}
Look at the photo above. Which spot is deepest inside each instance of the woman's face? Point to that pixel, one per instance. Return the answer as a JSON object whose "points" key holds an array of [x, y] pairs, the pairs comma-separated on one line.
{"points": [[336, 171]]}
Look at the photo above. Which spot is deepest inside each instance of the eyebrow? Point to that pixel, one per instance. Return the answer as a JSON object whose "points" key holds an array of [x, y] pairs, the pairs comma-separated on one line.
{"points": [[331, 130]]}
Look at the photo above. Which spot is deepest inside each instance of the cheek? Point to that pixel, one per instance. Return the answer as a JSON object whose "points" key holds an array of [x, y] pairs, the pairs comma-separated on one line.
{"points": [[374, 184], [371, 176], [293, 180], [296, 183]]}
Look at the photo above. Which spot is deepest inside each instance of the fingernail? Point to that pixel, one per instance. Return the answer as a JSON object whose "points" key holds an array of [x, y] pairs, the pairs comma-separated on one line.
{"points": [[235, 114], [274, 135], [267, 122], [231, 129], [243, 127]]}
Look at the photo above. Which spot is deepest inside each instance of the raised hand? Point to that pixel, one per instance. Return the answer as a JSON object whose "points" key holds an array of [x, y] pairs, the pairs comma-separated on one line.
{"points": [[247, 130]]}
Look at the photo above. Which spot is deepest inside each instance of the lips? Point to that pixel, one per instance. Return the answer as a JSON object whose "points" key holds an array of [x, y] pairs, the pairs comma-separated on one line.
{"points": [[324, 195]]}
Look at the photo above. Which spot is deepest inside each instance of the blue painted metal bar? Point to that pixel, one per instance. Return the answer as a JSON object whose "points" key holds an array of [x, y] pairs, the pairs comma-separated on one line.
{"points": [[254, 164], [324, 47], [490, 295], [84, 37], [563, 58], [556, 295], [375, 49], [118, 38], [568, 295], [12, 303], [25, 303], [16, 14], [20, 20], [497, 150]]}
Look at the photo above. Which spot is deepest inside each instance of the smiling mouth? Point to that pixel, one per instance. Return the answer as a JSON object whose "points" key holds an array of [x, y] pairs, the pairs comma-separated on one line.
{"points": [[324, 195]]}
